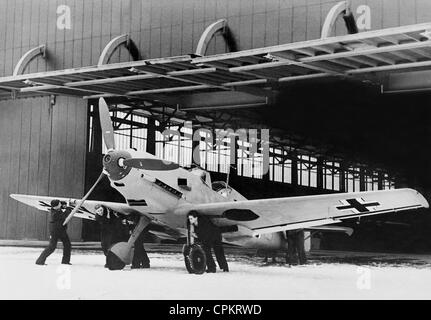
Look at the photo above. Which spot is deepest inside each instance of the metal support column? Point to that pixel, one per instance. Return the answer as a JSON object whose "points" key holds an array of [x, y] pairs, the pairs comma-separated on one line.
{"points": [[362, 174], [151, 136], [343, 177], [233, 168], [320, 173], [380, 181], [294, 169]]}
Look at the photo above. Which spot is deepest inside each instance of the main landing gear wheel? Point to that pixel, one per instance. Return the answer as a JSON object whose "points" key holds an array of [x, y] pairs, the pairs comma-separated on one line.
{"points": [[194, 258]]}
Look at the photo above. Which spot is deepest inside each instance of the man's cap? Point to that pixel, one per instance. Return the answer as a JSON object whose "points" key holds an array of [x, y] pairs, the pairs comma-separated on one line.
{"points": [[55, 202]]}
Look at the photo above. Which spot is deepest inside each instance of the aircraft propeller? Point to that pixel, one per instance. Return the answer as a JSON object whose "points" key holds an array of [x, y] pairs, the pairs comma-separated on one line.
{"points": [[118, 161], [106, 125], [108, 137]]}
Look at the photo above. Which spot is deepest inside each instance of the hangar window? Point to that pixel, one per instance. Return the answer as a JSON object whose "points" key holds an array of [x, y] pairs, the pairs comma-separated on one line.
{"points": [[186, 145], [168, 145], [206, 151], [369, 185], [216, 156], [307, 171], [371, 179], [250, 162], [214, 150], [287, 171], [223, 154], [352, 179], [129, 131], [387, 182], [275, 165], [280, 166], [331, 175], [175, 145]]}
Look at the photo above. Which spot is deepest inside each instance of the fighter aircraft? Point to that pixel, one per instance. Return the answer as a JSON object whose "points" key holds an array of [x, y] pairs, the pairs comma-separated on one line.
{"points": [[162, 193]]}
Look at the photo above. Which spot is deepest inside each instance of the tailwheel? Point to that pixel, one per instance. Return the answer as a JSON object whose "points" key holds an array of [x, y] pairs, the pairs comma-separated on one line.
{"points": [[194, 258]]}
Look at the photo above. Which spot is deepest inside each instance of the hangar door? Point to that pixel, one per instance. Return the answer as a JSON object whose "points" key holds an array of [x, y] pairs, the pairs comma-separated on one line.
{"points": [[42, 152]]}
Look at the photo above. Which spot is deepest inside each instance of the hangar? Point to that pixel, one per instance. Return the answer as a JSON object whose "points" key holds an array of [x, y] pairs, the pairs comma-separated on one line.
{"points": [[346, 110]]}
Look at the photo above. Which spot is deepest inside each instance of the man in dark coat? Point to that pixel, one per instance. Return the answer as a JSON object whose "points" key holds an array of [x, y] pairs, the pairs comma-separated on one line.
{"points": [[112, 229], [57, 231], [295, 247], [120, 226], [210, 237], [103, 217]]}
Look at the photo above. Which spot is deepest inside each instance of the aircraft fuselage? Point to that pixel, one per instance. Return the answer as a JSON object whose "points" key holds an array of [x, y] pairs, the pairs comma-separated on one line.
{"points": [[161, 191]]}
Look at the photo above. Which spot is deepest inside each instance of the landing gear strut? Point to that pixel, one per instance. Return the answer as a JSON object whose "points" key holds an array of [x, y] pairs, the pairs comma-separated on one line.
{"points": [[121, 253], [194, 256]]}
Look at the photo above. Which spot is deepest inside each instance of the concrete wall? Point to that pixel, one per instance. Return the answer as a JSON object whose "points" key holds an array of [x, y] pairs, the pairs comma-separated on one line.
{"points": [[76, 31], [42, 152]]}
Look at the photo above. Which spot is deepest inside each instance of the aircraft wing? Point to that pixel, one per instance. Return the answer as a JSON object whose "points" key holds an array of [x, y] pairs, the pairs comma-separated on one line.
{"points": [[280, 214], [87, 211]]}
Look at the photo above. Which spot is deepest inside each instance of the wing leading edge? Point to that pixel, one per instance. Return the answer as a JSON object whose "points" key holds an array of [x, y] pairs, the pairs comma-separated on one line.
{"points": [[280, 214], [87, 211]]}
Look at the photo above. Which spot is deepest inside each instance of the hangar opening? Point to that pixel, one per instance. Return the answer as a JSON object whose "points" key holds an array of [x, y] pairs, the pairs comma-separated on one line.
{"points": [[345, 113]]}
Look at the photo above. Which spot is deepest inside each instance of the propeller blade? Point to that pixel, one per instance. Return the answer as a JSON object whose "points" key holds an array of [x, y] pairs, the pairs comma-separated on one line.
{"points": [[150, 164], [106, 124], [102, 174]]}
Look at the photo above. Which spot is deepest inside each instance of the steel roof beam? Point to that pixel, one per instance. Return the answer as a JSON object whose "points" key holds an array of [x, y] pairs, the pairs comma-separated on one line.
{"points": [[221, 98], [168, 90], [317, 42], [364, 52], [89, 69], [143, 76], [283, 62], [76, 85], [51, 87], [396, 67]]}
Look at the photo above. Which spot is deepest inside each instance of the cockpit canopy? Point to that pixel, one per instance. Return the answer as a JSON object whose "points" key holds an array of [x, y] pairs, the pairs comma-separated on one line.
{"points": [[219, 185], [221, 188], [204, 175]]}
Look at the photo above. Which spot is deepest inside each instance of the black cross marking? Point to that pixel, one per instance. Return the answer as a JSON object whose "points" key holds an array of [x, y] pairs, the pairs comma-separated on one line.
{"points": [[355, 204], [82, 209], [71, 207]]}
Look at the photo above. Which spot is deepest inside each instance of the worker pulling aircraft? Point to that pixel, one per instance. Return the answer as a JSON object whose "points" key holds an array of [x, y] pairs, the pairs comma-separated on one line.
{"points": [[162, 194]]}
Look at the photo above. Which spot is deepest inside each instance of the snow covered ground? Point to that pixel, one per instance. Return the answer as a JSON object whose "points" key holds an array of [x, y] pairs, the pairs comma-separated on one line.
{"points": [[20, 278]]}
